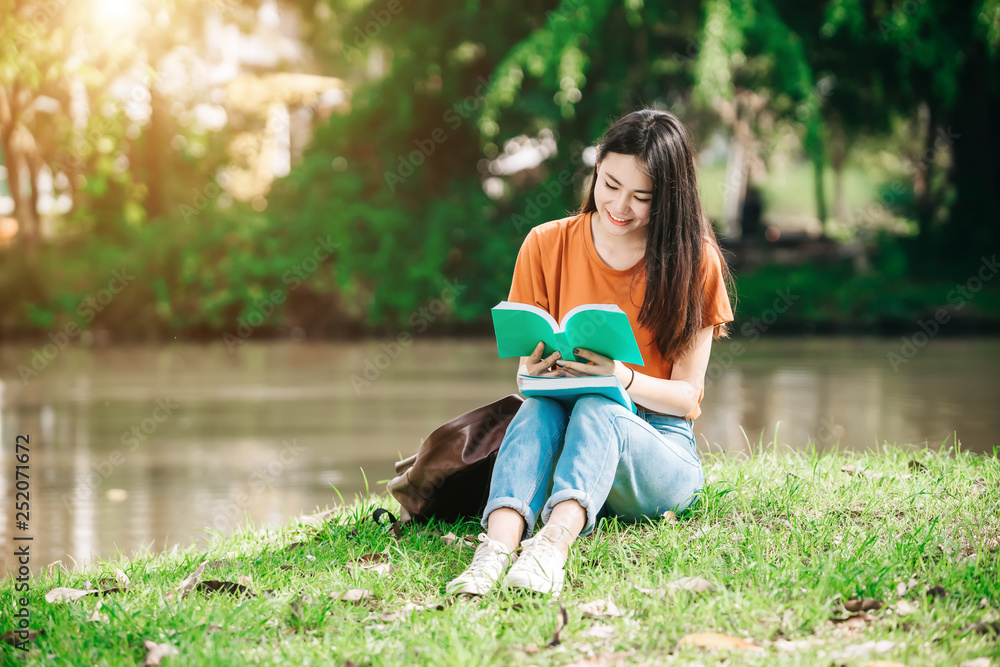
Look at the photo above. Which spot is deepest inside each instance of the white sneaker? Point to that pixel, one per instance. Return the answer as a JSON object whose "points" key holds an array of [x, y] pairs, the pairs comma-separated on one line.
{"points": [[540, 567], [488, 565]]}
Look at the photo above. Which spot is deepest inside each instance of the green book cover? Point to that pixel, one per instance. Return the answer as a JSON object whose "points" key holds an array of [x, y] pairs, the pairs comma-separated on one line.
{"points": [[603, 328], [567, 390]]}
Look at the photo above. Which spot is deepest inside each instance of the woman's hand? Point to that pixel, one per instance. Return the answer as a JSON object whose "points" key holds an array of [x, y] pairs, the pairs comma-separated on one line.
{"points": [[599, 364], [535, 365]]}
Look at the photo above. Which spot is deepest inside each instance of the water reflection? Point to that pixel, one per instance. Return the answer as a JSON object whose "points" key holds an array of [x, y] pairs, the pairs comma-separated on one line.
{"points": [[143, 448]]}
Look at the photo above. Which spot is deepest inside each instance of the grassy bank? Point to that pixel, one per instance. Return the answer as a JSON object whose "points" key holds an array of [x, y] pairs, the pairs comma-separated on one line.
{"points": [[805, 563]]}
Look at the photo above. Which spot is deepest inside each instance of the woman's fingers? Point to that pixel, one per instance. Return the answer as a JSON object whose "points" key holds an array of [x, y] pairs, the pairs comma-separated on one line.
{"points": [[592, 356], [576, 368], [543, 367]]}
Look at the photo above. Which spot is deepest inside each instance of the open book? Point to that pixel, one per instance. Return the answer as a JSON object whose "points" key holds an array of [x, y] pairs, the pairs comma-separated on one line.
{"points": [[566, 390], [602, 328]]}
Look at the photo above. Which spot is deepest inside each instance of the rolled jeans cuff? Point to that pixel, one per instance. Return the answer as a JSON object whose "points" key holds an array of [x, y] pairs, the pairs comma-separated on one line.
{"points": [[579, 496], [519, 506]]}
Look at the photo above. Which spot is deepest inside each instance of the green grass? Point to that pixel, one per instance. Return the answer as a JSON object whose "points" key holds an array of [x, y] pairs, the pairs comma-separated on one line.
{"points": [[790, 190], [785, 537]]}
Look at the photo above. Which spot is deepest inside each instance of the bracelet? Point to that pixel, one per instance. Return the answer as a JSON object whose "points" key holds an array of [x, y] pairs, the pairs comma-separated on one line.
{"points": [[630, 379]]}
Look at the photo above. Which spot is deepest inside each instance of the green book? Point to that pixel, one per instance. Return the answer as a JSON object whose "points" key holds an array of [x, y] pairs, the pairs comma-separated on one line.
{"points": [[566, 390], [602, 328]]}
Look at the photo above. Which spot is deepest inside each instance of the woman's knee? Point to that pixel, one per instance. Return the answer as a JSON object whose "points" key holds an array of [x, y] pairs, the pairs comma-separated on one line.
{"points": [[535, 409], [591, 405]]}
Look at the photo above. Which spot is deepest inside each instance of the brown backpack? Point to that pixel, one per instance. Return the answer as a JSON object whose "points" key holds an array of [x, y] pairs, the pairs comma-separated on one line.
{"points": [[449, 476]]}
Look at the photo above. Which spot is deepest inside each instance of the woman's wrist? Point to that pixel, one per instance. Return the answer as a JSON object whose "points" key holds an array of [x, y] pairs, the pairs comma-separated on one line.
{"points": [[624, 374]]}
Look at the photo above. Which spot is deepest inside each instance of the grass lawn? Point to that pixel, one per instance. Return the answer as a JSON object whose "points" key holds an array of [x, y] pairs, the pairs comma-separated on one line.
{"points": [[790, 190], [892, 563]]}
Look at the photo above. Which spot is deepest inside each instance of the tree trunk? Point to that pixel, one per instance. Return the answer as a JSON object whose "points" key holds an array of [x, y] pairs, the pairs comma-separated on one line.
{"points": [[34, 167], [23, 211], [156, 148], [924, 174], [735, 185], [838, 157], [819, 190], [973, 230]]}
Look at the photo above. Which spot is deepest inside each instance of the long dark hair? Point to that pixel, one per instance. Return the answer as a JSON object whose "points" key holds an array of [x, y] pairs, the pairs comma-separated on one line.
{"points": [[678, 233]]}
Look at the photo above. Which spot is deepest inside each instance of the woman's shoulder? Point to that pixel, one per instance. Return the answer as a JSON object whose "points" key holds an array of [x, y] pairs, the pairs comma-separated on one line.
{"points": [[555, 232]]}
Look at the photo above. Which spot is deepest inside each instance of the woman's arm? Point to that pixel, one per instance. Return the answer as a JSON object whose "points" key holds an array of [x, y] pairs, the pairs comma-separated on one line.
{"points": [[679, 395], [676, 396]]}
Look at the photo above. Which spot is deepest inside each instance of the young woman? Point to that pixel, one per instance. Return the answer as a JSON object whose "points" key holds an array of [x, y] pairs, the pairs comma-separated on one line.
{"points": [[642, 242]]}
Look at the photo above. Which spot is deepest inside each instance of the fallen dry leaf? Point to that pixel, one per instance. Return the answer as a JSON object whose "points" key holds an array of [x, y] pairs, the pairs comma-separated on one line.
{"points": [[693, 584], [385, 617], [600, 609], [562, 618], [157, 652], [372, 559], [658, 592], [669, 517], [903, 608], [598, 632], [377, 563], [717, 640], [245, 580], [862, 650], [904, 588], [857, 620], [850, 470], [793, 645], [122, 579], [62, 594], [97, 616], [353, 595], [856, 604], [451, 539], [187, 585]]}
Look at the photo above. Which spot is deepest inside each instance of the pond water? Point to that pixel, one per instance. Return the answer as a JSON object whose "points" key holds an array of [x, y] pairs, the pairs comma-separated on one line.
{"points": [[141, 448]]}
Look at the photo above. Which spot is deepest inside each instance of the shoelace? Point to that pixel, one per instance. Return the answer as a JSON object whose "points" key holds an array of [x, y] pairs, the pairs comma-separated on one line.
{"points": [[483, 556], [536, 550]]}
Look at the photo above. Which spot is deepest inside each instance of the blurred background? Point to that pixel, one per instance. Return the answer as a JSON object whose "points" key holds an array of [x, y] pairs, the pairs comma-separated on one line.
{"points": [[248, 249]]}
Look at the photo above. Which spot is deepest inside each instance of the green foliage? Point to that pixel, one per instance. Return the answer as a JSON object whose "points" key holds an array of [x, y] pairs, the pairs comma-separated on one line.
{"points": [[397, 183]]}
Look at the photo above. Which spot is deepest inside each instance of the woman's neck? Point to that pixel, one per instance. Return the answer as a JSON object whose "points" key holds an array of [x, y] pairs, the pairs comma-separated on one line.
{"points": [[617, 252]]}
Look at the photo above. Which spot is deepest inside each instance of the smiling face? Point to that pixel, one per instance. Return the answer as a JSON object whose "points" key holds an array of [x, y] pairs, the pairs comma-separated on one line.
{"points": [[623, 195]]}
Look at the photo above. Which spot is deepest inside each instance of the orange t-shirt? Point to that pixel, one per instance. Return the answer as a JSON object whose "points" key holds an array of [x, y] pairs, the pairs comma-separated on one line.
{"points": [[558, 269]]}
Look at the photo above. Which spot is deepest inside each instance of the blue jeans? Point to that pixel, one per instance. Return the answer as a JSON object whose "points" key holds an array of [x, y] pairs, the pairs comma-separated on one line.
{"points": [[613, 462]]}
